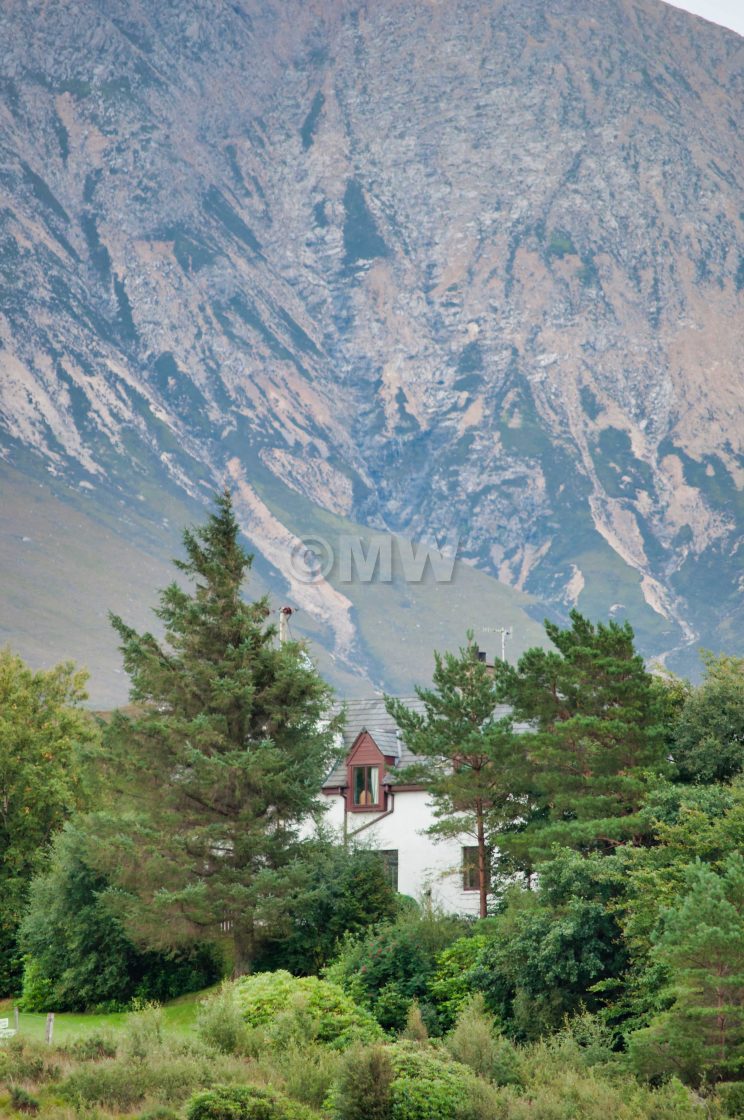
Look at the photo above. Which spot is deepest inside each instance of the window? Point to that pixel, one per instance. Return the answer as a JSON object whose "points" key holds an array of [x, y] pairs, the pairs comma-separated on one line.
{"points": [[470, 878], [365, 783], [390, 863]]}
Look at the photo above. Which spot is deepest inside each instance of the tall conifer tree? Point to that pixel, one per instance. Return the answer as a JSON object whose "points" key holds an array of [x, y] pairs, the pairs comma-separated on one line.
{"points": [[223, 757]]}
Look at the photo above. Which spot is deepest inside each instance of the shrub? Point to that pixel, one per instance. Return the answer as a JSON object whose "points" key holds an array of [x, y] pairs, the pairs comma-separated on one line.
{"points": [[451, 984], [245, 1102], [92, 1047], [429, 1087], [22, 1101], [415, 1027], [220, 1022], [160, 1112], [79, 956], [144, 1032], [389, 968], [114, 1084], [305, 1073], [475, 1043], [346, 891], [22, 1060], [167, 1076], [731, 1095], [364, 1087], [303, 1009]]}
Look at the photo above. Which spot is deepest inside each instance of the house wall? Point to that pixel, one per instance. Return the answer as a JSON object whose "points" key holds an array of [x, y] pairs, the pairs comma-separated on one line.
{"points": [[423, 864]]}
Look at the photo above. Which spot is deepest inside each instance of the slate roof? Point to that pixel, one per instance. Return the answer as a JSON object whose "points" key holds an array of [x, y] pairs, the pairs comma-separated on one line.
{"points": [[370, 715]]}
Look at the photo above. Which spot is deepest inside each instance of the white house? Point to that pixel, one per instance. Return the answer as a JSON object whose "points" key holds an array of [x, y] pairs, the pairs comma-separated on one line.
{"points": [[369, 800]]}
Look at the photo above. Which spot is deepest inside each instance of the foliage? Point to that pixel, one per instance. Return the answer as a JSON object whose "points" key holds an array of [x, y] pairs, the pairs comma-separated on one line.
{"points": [[551, 947], [22, 1101], [43, 737], [303, 1071], [471, 756], [451, 985], [702, 942], [429, 1086], [598, 735], [223, 757], [345, 891], [415, 1027], [304, 1008], [92, 1047], [220, 1022], [167, 1073], [475, 1042], [23, 1060], [79, 955], [363, 1088], [392, 966], [708, 739], [244, 1102]]}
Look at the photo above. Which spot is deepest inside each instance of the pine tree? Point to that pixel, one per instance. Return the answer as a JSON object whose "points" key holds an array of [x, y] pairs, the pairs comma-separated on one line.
{"points": [[598, 733], [471, 756], [223, 757], [701, 942]]}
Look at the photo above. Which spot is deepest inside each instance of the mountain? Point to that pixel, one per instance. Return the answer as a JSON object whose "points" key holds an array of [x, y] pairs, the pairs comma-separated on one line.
{"points": [[415, 267]]}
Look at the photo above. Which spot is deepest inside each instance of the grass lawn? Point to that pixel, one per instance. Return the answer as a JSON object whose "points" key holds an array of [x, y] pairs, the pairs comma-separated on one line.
{"points": [[179, 1017]]}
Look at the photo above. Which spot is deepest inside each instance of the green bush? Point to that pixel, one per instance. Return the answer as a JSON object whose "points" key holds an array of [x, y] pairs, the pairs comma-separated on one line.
{"points": [[92, 1047], [427, 1086], [160, 1112], [731, 1095], [389, 968], [245, 1102], [144, 1032], [23, 1060], [364, 1087], [114, 1084], [305, 1073], [451, 984], [475, 1042], [78, 954], [168, 1076], [22, 1101], [220, 1023], [303, 1009], [346, 891]]}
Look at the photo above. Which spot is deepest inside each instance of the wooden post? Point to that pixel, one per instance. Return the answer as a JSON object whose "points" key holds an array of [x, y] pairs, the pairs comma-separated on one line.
{"points": [[15, 1015], [50, 1027]]}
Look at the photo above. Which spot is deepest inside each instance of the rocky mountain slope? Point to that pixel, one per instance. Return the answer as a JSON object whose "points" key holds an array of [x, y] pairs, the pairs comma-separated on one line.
{"points": [[467, 268]]}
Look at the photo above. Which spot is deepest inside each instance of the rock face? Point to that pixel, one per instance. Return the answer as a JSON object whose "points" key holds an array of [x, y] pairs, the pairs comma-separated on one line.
{"points": [[464, 267]]}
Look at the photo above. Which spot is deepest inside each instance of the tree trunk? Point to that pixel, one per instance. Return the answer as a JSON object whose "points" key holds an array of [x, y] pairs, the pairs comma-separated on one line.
{"points": [[243, 948], [482, 861]]}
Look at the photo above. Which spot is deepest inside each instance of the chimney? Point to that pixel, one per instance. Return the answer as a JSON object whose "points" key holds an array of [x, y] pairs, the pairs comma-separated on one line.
{"points": [[285, 613]]}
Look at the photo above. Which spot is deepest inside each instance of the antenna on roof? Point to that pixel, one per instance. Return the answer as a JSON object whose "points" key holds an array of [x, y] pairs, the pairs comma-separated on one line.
{"points": [[504, 631]]}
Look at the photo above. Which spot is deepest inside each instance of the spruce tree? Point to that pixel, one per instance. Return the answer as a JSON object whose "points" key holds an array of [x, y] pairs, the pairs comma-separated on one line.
{"points": [[471, 755], [596, 734], [222, 758]]}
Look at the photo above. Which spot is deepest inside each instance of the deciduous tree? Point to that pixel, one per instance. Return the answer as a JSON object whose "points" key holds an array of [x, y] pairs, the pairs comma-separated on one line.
{"points": [[43, 732]]}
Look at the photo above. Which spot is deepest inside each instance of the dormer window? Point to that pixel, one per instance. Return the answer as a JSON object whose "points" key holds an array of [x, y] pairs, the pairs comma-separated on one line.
{"points": [[365, 787]]}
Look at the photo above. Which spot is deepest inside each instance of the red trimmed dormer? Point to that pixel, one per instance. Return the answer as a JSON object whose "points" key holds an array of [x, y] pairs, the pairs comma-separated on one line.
{"points": [[366, 767]]}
